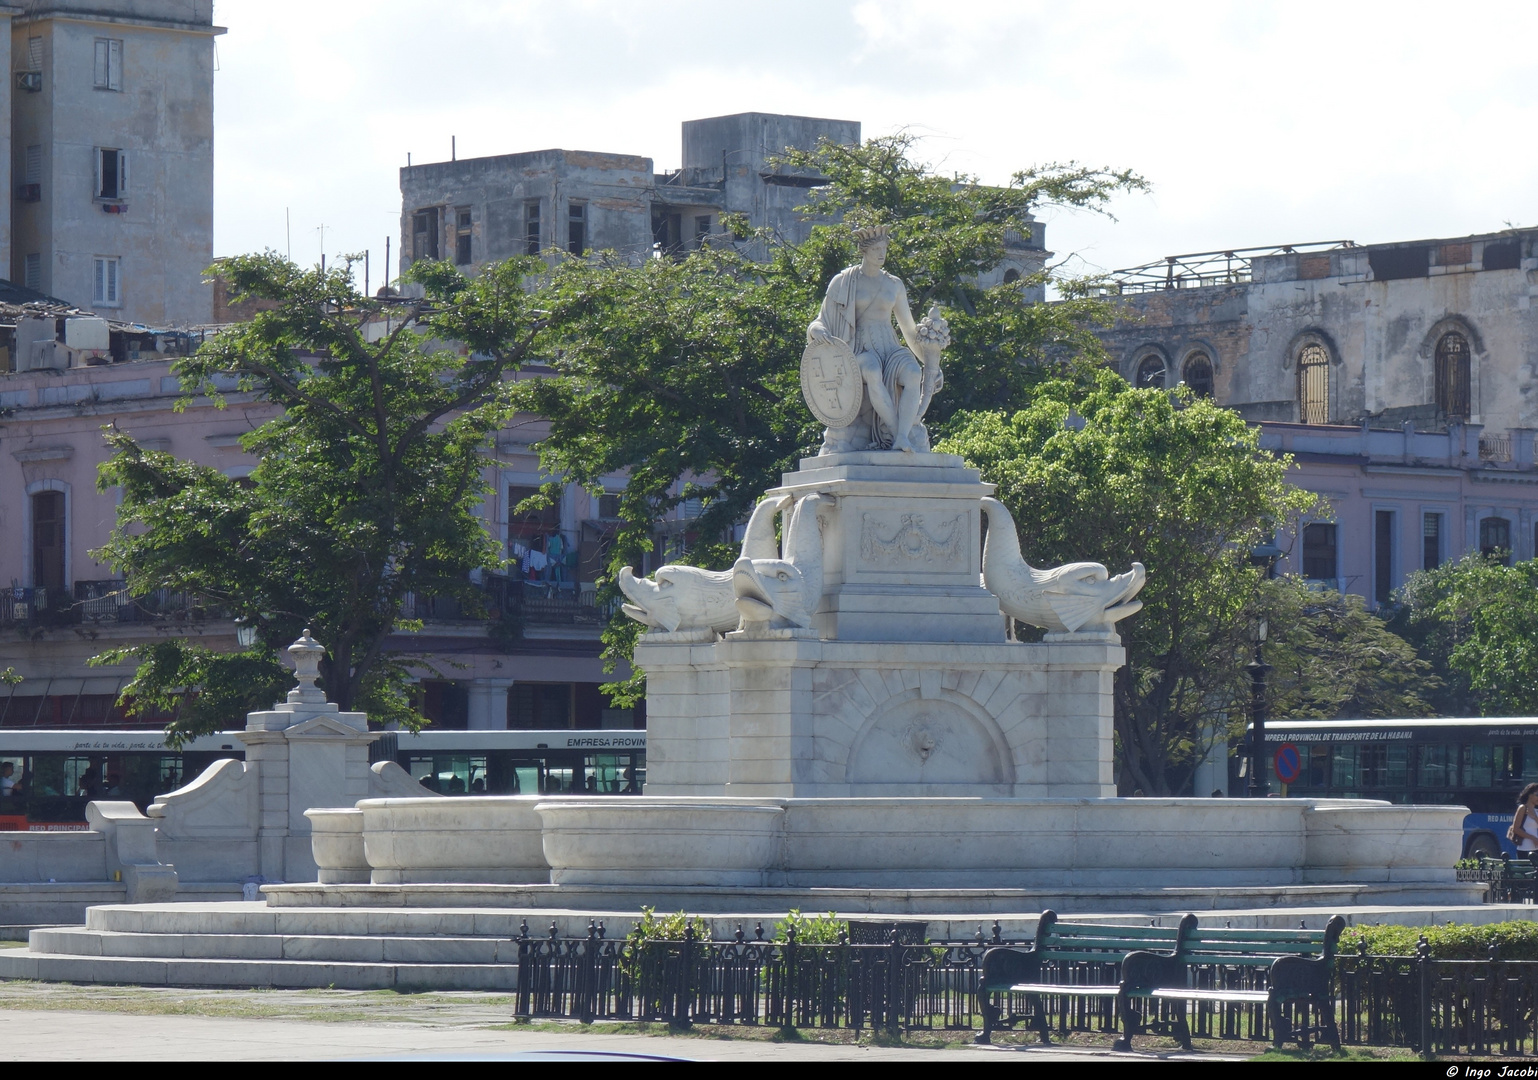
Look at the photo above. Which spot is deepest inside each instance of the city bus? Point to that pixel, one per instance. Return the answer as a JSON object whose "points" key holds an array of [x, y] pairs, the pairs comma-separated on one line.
{"points": [[1478, 763], [57, 772], [564, 761]]}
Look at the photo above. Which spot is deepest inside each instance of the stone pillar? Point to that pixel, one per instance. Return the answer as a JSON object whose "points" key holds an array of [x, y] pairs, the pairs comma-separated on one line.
{"points": [[308, 753], [488, 704]]}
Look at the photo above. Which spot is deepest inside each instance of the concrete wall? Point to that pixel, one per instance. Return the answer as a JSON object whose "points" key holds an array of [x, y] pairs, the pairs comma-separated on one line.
{"points": [[162, 117]]}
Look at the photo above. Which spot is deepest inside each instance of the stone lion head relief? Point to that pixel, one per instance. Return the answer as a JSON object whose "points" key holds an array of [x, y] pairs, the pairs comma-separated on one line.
{"points": [[929, 741]]}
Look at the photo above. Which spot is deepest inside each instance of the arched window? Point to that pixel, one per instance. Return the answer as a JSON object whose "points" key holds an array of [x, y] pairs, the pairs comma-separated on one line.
{"points": [[1314, 385], [1453, 376], [1011, 276], [1198, 374], [1151, 372]]}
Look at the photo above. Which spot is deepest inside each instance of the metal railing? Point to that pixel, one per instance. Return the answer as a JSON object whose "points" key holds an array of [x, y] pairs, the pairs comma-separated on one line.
{"points": [[531, 602], [1432, 1006], [98, 602], [1203, 268]]}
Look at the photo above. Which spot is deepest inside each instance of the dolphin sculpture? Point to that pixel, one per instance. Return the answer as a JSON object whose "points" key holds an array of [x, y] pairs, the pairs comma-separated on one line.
{"points": [[1064, 599], [778, 592], [679, 597]]}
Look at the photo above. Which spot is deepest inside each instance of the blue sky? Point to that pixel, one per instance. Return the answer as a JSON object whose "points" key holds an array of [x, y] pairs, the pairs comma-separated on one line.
{"points": [[1256, 123]]}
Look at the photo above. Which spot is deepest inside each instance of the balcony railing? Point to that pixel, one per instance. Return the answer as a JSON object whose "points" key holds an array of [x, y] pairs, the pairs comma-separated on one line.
{"points": [[97, 602], [533, 603]]}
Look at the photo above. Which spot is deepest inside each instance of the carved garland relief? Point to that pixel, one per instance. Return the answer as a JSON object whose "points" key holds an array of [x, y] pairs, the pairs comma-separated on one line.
{"points": [[912, 541]]}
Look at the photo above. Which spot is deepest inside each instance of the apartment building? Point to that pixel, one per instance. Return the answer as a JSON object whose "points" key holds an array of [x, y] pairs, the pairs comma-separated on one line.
{"points": [[481, 210], [107, 122], [1399, 376]]}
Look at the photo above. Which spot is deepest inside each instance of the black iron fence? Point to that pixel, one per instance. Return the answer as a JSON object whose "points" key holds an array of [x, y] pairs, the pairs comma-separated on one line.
{"points": [[1433, 1006]]}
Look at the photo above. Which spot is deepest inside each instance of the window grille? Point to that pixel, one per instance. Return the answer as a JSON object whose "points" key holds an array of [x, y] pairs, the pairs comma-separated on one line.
{"points": [[1314, 385], [1452, 373]]}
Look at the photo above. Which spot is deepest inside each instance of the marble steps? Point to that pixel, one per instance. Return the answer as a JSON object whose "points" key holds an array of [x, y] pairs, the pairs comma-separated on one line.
{"points": [[238, 973], [252, 945]]}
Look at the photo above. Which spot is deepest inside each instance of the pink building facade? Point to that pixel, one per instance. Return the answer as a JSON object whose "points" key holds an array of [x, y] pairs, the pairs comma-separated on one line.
{"points": [[59, 606]]}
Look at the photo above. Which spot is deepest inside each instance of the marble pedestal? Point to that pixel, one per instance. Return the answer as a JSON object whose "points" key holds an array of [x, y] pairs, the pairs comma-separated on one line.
{"points": [[905, 684]]}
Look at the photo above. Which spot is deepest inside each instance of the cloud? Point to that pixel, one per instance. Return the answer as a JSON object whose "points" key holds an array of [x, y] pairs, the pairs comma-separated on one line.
{"points": [[1258, 124]]}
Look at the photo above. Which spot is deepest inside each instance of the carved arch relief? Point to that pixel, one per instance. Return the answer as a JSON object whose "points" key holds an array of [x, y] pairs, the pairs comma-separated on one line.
{"points": [[946, 740]]}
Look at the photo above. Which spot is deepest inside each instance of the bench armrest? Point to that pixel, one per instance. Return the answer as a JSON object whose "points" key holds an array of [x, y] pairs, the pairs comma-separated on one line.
{"points": [[1004, 966], [1143, 970]]}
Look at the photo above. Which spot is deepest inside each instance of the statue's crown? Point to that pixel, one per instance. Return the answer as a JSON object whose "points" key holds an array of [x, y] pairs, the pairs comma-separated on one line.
{"points": [[870, 234]]}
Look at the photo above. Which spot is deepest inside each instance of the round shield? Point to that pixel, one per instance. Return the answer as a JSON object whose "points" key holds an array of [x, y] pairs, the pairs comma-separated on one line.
{"points": [[831, 383]]}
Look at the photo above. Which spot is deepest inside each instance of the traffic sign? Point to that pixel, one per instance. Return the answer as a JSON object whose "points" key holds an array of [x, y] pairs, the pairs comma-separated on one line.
{"points": [[1289, 763]]}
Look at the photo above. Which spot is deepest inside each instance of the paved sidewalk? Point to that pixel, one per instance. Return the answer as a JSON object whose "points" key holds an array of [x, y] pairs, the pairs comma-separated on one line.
{"points": [[58, 1035]]}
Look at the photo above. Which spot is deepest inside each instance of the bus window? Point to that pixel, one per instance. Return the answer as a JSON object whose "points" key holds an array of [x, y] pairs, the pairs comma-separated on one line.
{"points": [[558, 780], [1436, 765], [526, 780], [1343, 770], [1529, 762], [1398, 766], [1477, 762], [1372, 766], [1318, 765]]}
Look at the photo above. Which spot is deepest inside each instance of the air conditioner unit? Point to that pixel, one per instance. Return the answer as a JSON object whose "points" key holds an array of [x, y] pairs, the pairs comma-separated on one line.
{"points": [[30, 81], [29, 192]]}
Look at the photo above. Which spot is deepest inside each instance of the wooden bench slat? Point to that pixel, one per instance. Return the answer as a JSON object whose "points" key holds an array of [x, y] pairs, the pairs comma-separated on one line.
{"points": [[1274, 948], [1228, 932], [1117, 944], [1100, 929], [1229, 959], [1065, 991], [1257, 997]]}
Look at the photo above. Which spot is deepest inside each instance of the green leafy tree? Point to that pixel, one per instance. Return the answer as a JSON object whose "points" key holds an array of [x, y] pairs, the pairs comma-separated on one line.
{"points": [[1330, 657], [1117, 475], [369, 478], [684, 374], [1475, 621]]}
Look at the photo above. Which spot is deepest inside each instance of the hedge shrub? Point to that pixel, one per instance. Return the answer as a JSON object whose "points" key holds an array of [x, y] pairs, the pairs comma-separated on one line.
{"points": [[1450, 941]]}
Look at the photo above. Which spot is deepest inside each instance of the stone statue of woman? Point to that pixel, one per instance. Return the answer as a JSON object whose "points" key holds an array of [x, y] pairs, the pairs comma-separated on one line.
{"points": [[851, 344]]}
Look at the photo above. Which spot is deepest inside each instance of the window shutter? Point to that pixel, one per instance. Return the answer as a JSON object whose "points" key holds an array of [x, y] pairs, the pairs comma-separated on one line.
{"points": [[101, 284], [96, 173], [112, 282], [102, 53], [114, 65], [122, 173]]}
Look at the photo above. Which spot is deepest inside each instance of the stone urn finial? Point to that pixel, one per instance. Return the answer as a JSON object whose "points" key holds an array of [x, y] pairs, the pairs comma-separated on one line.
{"points": [[307, 653]]}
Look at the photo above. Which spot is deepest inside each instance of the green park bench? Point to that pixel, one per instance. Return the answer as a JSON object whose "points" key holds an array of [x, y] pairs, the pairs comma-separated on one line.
{"points": [[1298, 964], [1512, 881], [1062, 952]]}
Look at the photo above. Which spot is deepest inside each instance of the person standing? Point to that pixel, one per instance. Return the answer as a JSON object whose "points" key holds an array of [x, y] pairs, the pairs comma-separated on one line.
{"points": [[1524, 826]]}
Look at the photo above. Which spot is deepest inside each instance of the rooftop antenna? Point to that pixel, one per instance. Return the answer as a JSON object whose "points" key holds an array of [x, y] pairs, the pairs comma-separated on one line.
{"points": [[322, 230], [453, 148], [288, 232]]}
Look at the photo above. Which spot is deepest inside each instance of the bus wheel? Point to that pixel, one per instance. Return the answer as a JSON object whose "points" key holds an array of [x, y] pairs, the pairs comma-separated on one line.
{"points": [[1484, 846]]}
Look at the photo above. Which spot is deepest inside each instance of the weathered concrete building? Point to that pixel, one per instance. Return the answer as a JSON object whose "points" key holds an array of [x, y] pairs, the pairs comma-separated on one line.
{"points": [[109, 125], [1401, 377], [482, 210]]}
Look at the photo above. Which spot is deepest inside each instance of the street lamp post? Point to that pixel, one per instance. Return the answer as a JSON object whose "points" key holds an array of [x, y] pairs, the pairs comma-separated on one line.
{"points": [[1264, 555], [1259, 782]]}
